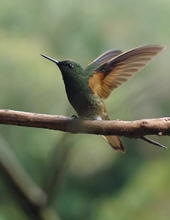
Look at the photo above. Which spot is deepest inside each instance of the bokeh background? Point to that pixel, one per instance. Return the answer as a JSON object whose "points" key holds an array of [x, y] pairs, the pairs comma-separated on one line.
{"points": [[94, 183]]}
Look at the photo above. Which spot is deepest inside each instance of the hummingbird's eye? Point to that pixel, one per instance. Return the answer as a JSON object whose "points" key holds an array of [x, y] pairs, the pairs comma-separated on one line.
{"points": [[70, 65]]}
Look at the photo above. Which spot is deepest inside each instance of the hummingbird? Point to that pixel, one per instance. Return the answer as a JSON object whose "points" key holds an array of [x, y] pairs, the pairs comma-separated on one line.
{"points": [[88, 88]]}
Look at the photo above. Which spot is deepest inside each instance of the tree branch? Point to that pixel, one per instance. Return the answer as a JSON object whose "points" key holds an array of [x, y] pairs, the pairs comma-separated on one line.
{"points": [[30, 196], [32, 199], [131, 129]]}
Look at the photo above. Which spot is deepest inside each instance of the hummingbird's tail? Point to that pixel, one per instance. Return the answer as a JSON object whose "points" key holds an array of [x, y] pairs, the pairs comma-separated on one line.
{"points": [[115, 142]]}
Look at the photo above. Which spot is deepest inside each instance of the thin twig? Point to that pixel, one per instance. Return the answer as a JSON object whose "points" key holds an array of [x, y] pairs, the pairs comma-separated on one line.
{"points": [[153, 142], [57, 165], [58, 162]]}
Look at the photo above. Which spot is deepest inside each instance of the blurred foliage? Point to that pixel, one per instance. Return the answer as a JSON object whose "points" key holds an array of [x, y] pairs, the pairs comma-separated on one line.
{"points": [[96, 183]]}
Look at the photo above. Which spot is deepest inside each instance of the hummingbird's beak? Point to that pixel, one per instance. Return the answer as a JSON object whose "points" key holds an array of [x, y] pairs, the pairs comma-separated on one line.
{"points": [[49, 58]]}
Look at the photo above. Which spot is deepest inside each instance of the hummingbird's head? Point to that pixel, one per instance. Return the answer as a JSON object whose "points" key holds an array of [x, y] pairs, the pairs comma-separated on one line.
{"points": [[68, 68]]}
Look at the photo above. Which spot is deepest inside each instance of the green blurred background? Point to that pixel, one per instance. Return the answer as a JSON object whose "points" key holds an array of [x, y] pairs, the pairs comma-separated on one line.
{"points": [[97, 183]]}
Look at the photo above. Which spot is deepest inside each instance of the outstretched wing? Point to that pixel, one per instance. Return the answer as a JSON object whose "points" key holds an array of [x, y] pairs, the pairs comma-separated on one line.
{"points": [[105, 57], [118, 70]]}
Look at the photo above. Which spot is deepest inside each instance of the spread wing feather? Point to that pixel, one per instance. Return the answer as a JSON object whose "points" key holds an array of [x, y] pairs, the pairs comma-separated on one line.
{"points": [[121, 68], [105, 57]]}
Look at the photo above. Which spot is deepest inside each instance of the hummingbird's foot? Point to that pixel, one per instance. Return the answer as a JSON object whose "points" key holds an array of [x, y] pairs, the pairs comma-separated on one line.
{"points": [[74, 116]]}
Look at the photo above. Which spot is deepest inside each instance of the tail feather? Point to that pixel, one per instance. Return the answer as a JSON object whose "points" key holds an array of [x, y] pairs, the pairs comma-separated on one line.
{"points": [[115, 142]]}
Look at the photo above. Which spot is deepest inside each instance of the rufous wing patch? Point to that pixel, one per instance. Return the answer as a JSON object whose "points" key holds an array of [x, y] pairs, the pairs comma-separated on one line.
{"points": [[95, 83], [121, 68]]}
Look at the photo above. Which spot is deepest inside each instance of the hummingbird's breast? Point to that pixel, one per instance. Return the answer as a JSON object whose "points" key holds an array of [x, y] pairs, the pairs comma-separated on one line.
{"points": [[88, 105], [84, 101]]}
